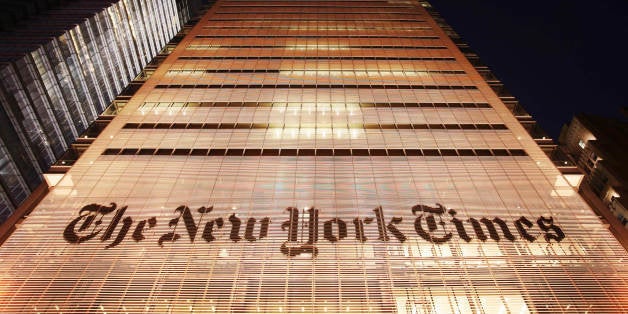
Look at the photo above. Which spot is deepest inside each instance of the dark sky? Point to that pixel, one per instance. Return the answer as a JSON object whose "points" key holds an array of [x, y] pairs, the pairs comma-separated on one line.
{"points": [[557, 57]]}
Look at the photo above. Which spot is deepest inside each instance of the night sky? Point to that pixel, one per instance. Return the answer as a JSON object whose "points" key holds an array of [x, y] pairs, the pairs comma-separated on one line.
{"points": [[558, 58]]}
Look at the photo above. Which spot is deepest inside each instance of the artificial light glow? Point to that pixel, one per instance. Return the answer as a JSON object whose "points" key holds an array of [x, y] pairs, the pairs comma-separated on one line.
{"points": [[202, 47], [320, 47], [316, 132], [339, 133], [359, 73], [185, 72], [324, 173]]}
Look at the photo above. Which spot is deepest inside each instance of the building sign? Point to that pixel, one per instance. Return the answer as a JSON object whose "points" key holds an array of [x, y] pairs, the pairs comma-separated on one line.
{"points": [[433, 224]]}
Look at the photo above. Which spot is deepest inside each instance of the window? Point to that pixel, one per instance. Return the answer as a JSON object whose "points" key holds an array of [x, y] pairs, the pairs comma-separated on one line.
{"points": [[582, 144]]}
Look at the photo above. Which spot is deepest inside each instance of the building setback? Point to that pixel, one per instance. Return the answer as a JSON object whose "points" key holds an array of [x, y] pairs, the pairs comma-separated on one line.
{"points": [[61, 69], [314, 156]]}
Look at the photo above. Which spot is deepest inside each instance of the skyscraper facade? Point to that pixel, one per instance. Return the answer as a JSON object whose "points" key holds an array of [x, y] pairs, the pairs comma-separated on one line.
{"points": [[314, 156], [61, 69]]}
